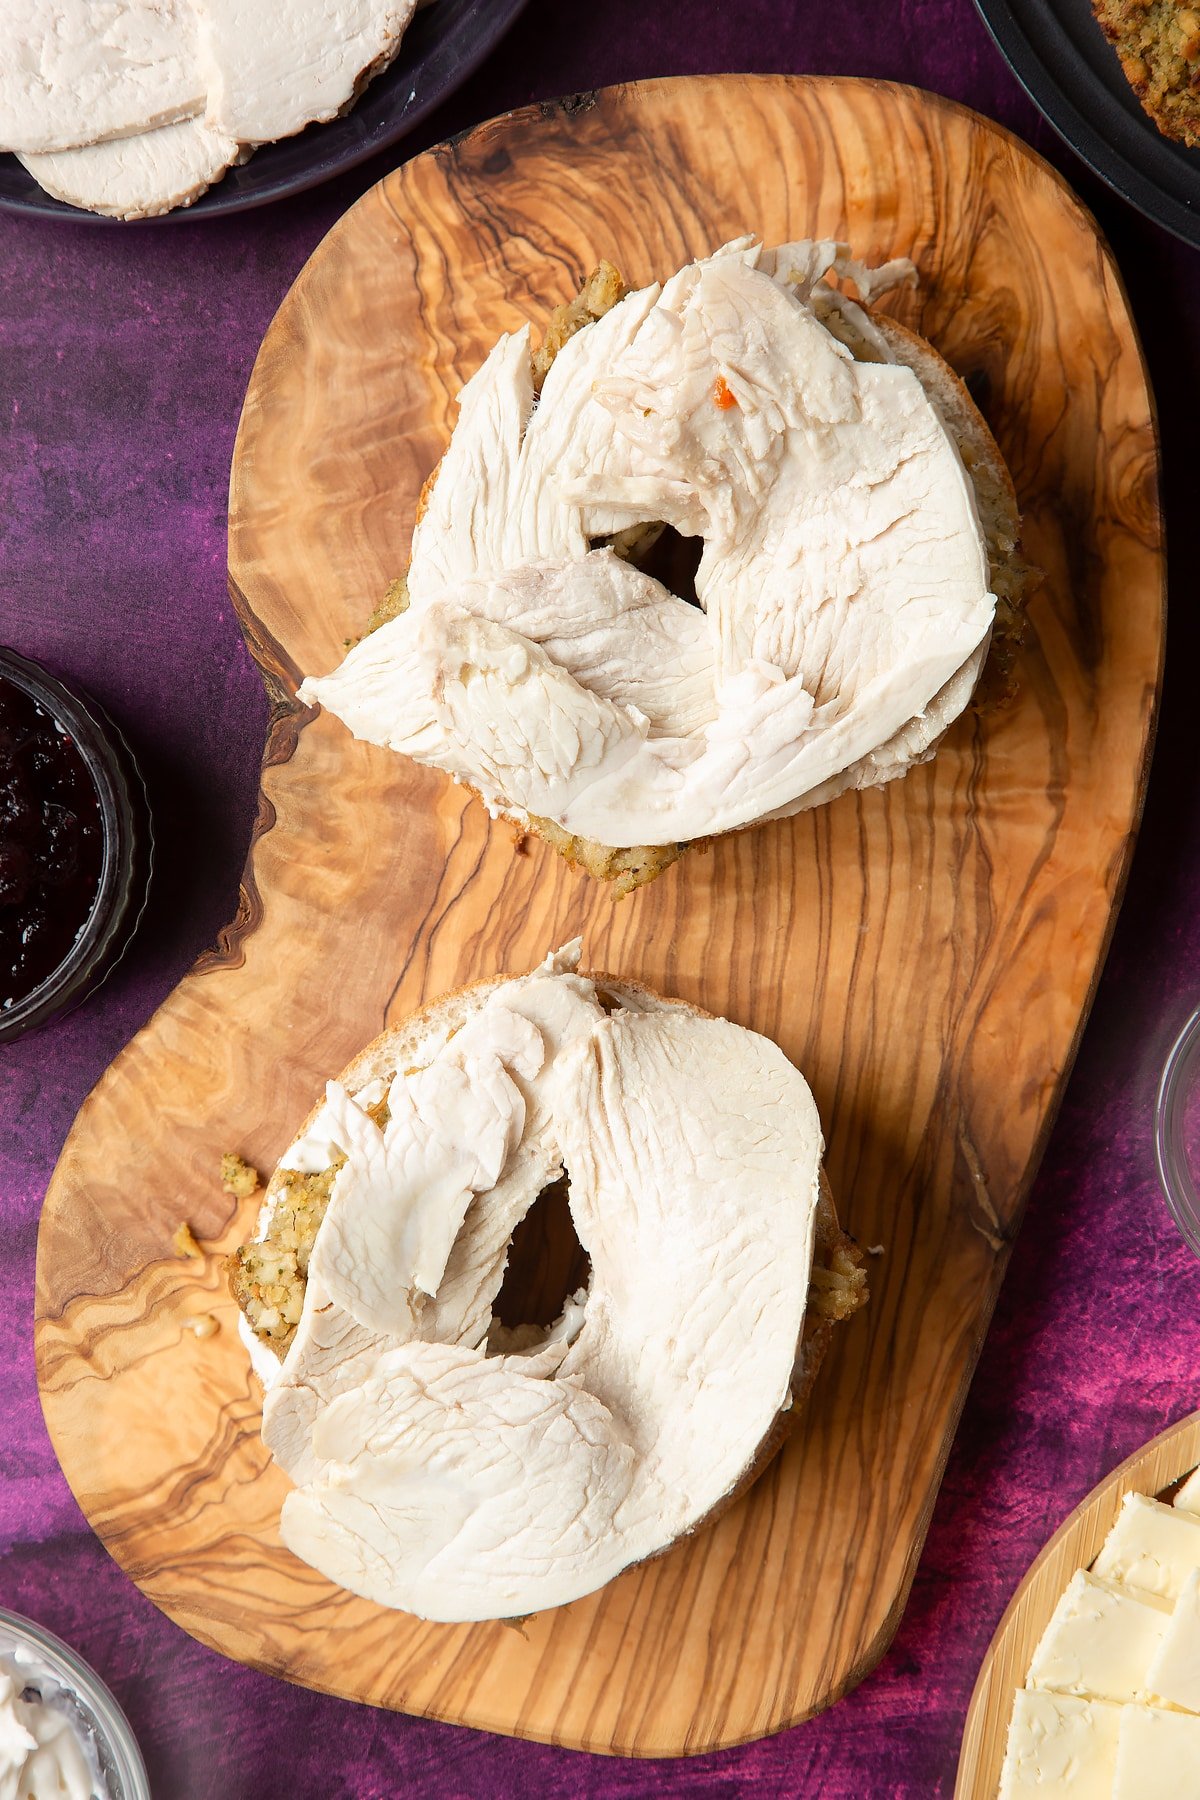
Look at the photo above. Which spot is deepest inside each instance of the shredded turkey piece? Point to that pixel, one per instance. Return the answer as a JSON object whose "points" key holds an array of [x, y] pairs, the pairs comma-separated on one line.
{"points": [[626, 868]]}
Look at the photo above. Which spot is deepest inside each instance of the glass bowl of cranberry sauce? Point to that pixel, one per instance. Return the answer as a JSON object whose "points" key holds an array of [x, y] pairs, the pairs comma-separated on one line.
{"points": [[75, 845]]}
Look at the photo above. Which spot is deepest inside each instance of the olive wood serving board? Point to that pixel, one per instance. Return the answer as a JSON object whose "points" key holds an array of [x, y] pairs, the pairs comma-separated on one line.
{"points": [[926, 953], [1155, 1469]]}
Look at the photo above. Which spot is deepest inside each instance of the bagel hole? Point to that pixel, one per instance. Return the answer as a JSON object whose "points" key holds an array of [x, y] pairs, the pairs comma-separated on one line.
{"points": [[668, 557], [546, 1263]]}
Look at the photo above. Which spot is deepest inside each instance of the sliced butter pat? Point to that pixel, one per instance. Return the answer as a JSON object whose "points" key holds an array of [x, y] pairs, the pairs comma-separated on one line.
{"points": [[1174, 1673], [1158, 1755], [1151, 1546], [1188, 1498], [1101, 1641], [1061, 1747]]}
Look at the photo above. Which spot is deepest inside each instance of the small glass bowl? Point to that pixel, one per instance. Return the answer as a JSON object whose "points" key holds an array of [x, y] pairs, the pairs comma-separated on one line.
{"points": [[1177, 1132], [127, 848], [103, 1721]]}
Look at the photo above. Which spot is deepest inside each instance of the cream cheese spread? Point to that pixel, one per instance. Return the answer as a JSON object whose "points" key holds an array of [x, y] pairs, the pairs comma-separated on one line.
{"points": [[442, 1470], [44, 1754], [843, 588]]}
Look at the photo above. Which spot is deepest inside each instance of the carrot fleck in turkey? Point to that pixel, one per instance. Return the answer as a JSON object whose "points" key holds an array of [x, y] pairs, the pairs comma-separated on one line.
{"points": [[723, 396]]}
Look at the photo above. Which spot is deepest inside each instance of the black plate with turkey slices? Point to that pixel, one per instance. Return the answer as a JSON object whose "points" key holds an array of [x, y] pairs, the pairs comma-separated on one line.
{"points": [[443, 44]]}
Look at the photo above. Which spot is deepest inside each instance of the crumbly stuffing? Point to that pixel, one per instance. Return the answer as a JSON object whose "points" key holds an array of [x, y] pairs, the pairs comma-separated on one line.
{"points": [[268, 1276], [603, 289], [1158, 43], [839, 1282], [394, 602], [203, 1325], [625, 869], [184, 1241], [237, 1176]]}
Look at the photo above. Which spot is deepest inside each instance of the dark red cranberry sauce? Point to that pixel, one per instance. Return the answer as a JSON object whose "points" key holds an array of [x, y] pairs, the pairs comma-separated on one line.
{"points": [[51, 844]]}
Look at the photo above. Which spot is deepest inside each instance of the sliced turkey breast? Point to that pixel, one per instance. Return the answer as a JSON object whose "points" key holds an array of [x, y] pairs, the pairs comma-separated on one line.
{"points": [[77, 72], [277, 69], [139, 177]]}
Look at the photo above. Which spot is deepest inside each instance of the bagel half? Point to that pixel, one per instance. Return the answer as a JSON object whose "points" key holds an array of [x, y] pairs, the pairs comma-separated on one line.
{"points": [[458, 1469], [452, 685]]}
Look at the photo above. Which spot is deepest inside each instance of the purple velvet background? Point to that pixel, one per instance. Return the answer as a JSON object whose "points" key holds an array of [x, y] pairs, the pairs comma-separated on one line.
{"points": [[123, 359]]}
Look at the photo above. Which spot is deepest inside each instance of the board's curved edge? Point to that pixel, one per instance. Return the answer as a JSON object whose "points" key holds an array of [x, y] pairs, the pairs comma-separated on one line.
{"points": [[288, 718], [1122, 1479], [570, 106]]}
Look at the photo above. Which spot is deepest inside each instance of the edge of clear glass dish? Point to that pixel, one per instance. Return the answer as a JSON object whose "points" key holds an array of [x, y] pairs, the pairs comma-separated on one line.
{"points": [[1175, 1178], [98, 1700]]}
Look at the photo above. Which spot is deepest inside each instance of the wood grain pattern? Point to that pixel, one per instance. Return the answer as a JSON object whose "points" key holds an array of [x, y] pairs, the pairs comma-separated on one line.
{"points": [[926, 952], [1155, 1469]]}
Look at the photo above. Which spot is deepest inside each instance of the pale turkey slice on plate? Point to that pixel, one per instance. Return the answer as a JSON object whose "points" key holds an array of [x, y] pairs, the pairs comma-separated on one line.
{"points": [[142, 176], [80, 71], [281, 68]]}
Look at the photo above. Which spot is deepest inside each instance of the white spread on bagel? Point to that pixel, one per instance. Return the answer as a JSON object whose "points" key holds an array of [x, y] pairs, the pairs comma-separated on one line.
{"points": [[843, 585], [442, 1471]]}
